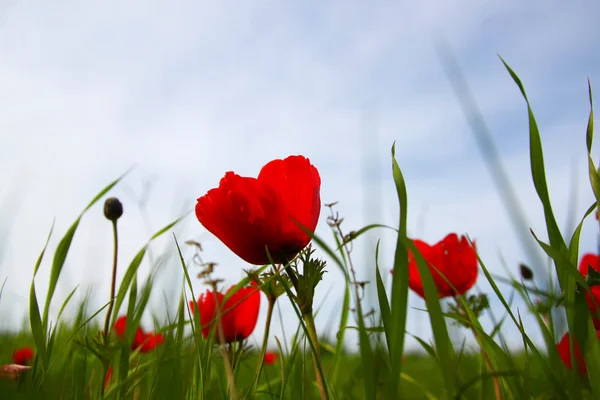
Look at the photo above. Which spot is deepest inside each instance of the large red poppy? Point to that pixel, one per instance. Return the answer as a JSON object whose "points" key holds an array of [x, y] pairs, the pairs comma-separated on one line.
{"points": [[565, 354], [23, 355], [238, 314], [591, 260], [147, 341], [453, 257], [250, 215]]}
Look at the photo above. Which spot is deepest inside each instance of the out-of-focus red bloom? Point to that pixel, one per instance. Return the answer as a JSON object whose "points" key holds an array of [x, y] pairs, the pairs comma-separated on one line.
{"points": [[251, 214], [23, 355], [151, 340], [108, 376], [238, 314], [147, 341], [453, 257], [271, 357], [594, 300], [565, 354]]}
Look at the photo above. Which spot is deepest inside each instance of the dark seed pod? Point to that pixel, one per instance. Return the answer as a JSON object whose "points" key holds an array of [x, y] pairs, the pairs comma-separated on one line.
{"points": [[113, 209], [526, 272]]}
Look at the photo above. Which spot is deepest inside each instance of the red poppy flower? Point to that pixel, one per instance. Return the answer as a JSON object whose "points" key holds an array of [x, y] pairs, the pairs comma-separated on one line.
{"points": [[453, 257], [251, 214], [594, 300], [271, 357], [238, 314], [147, 341], [23, 355], [565, 354]]}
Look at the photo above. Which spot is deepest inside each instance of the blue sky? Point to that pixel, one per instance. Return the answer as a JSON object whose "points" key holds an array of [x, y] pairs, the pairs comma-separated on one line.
{"points": [[189, 90]]}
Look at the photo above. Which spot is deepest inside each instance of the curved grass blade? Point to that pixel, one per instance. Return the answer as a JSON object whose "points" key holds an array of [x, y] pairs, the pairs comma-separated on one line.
{"points": [[399, 298], [444, 348], [133, 267], [339, 347], [35, 319], [62, 249], [384, 305], [593, 171]]}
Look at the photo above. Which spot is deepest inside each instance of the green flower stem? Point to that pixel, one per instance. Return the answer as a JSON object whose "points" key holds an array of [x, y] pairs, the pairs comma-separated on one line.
{"points": [[488, 361], [263, 349], [113, 283], [112, 299], [463, 312], [312, 336], [227, 356], [225, 350]]}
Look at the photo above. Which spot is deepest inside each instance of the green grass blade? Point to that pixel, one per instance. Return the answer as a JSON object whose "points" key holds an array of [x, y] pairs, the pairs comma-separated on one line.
{"points": [[590, 126], [551, 373], [339, 347], [60, 255], [399, 298], [62, 250], [593, 171], [106, 190], [538, 170], [35, 319], [443, 344], [133, 267], [384, 305], [196, 327]]}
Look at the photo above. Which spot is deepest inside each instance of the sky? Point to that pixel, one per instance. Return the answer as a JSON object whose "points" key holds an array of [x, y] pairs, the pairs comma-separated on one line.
{"points": [[185, 91]]}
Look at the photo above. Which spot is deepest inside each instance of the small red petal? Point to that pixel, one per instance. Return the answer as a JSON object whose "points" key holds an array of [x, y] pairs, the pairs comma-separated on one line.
{"points": [[565, 354], [119, 326], [108, 376], [270, 357], [23, 355]]}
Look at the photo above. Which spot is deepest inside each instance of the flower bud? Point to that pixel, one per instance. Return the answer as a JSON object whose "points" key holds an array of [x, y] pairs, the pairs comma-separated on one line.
{"points": [[113, 209], [526, 272]]}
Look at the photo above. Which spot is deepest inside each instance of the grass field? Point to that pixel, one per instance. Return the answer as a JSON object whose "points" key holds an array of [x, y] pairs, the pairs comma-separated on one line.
{"points": [[204, 355]]}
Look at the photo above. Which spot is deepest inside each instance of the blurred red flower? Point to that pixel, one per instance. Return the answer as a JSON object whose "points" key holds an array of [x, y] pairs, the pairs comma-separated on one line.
{"points": [[23, 355], [271, 357], [108, 376], [238, 314], [151, 340], [453, 257], [147, 341], [251, 214], [591, 260], [565, 354]]}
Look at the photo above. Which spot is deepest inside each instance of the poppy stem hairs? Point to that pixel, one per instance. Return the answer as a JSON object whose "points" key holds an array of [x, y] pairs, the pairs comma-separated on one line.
{"points": [[312, 273]]}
